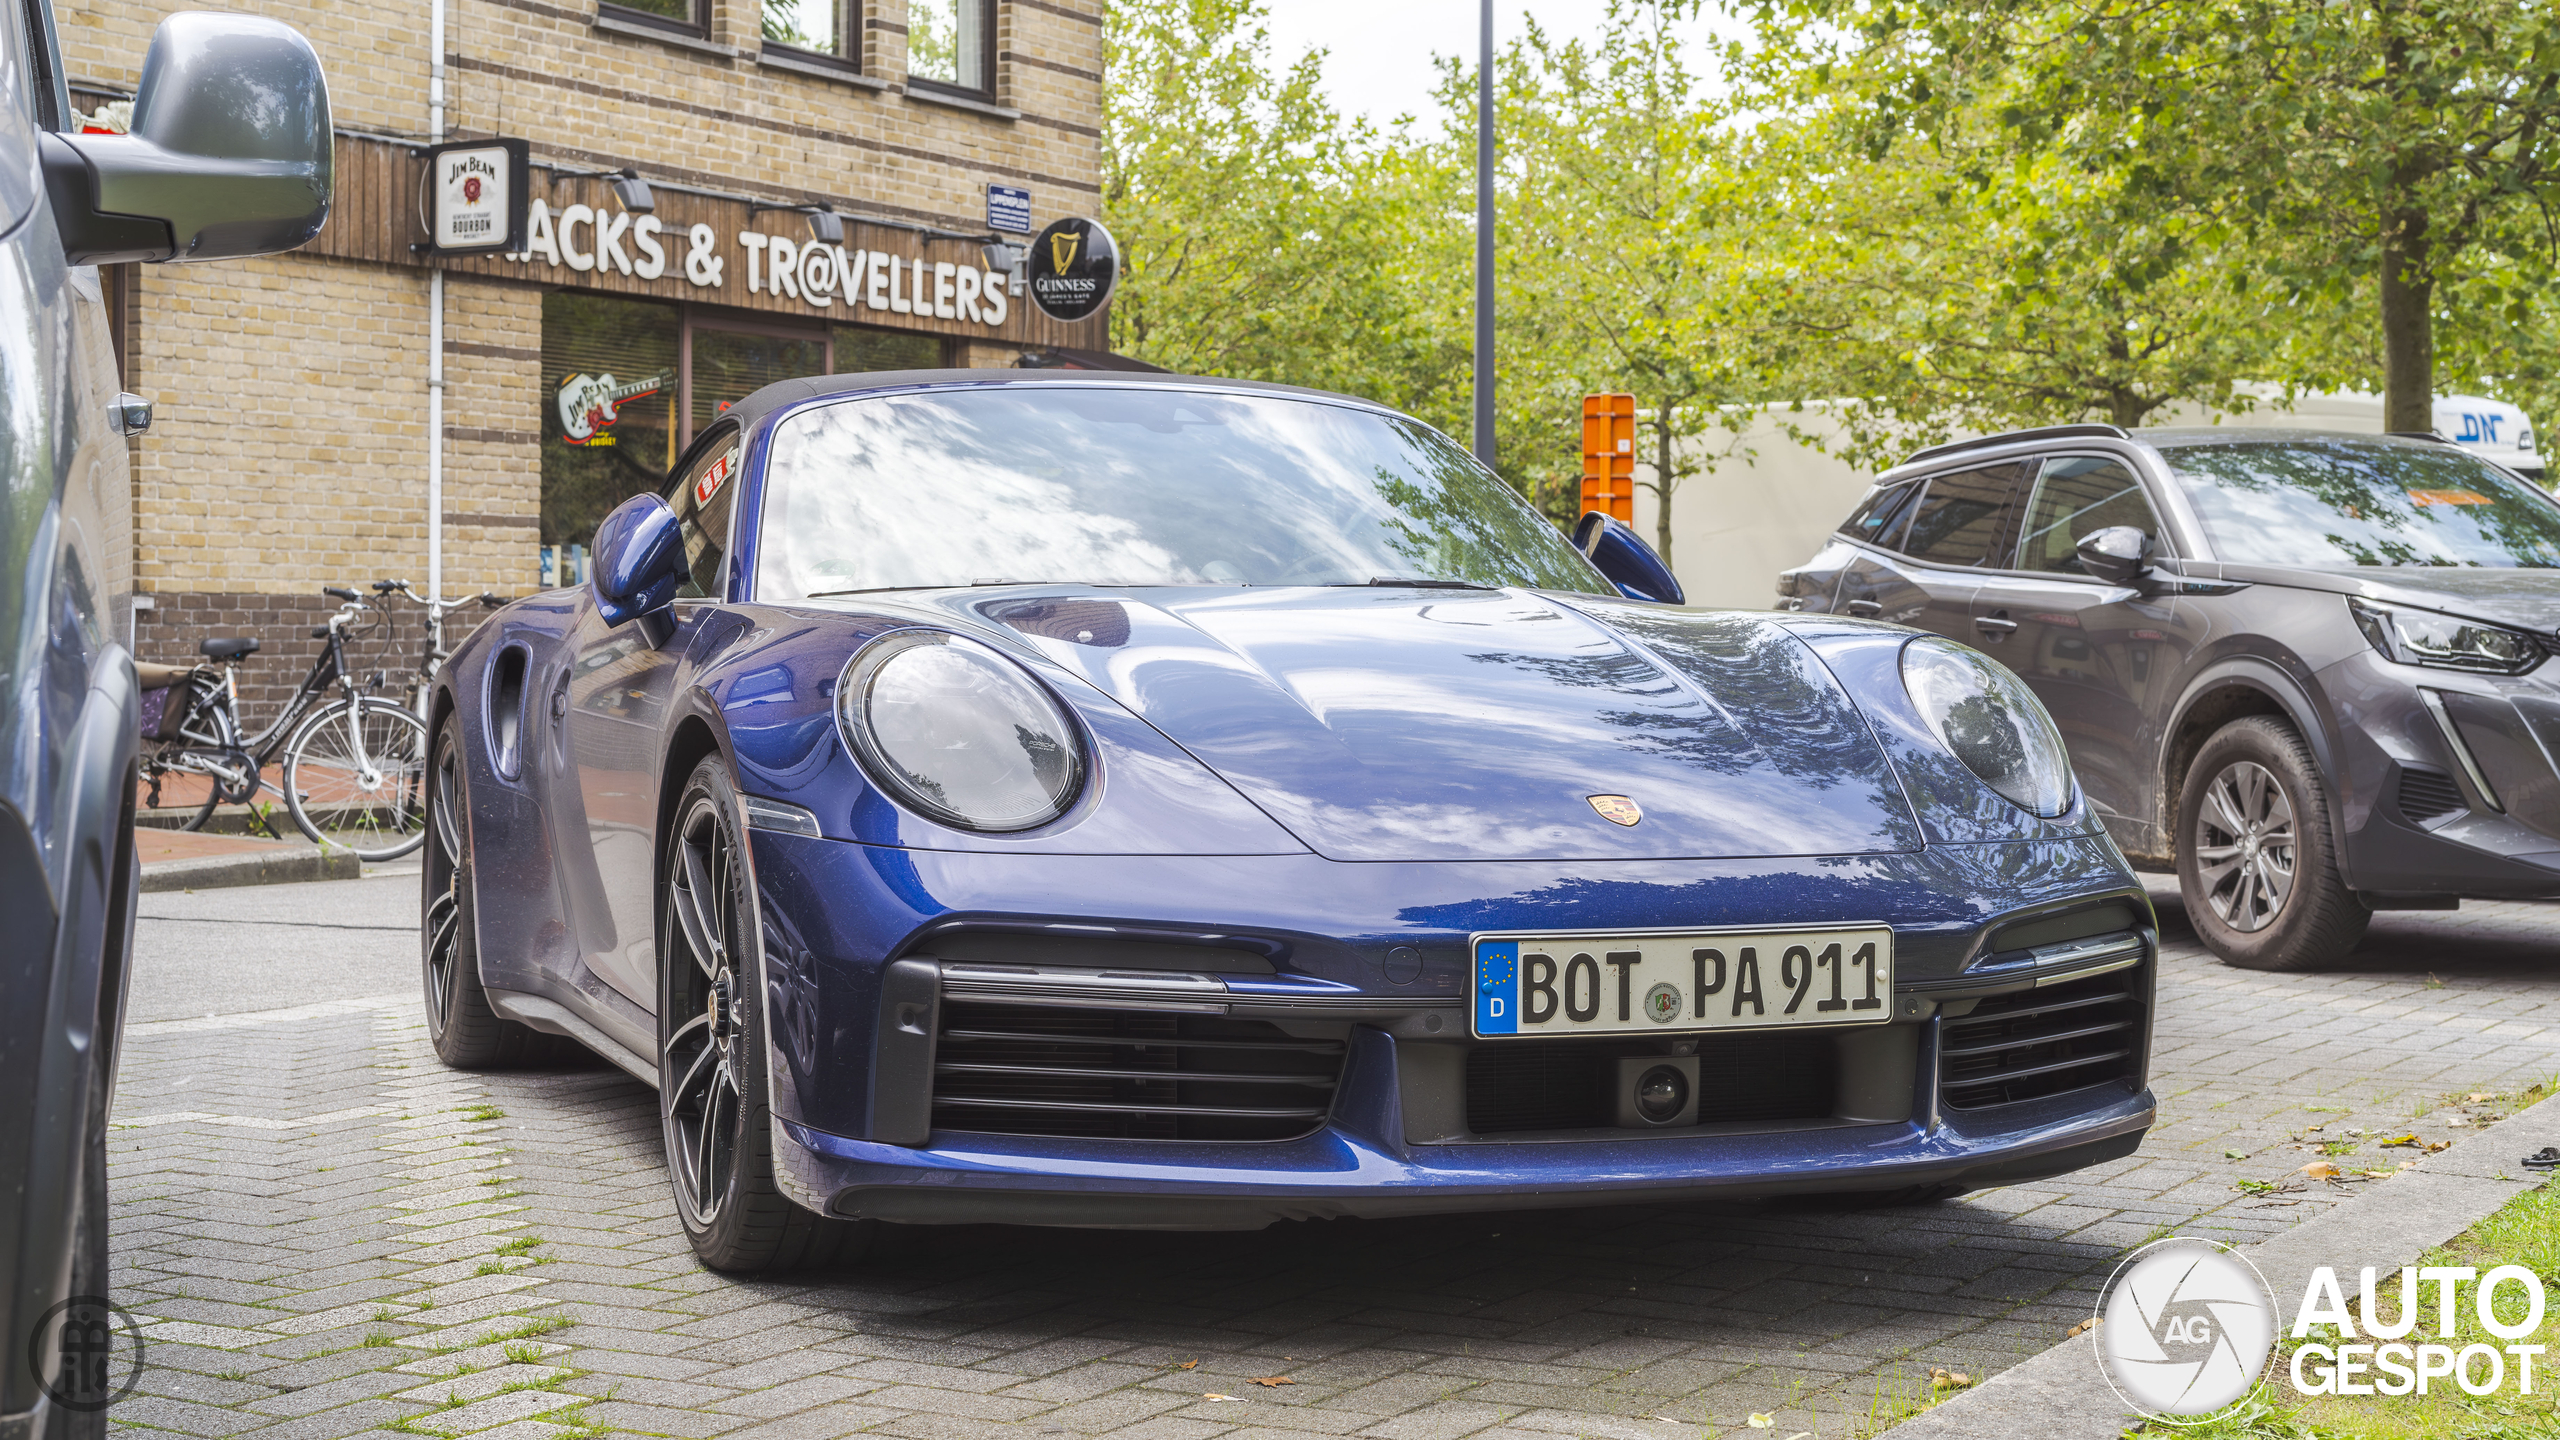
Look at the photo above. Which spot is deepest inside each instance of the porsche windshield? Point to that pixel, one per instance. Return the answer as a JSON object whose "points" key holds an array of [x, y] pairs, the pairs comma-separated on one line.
{"points": [[2343, 501], [1135, 485]]}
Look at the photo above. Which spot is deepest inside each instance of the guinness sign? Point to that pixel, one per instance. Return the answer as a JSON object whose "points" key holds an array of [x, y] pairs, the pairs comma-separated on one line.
{"points": [[1073, 267]]}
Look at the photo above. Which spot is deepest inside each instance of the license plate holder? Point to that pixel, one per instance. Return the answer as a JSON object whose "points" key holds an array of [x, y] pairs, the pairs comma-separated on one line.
{"points": [[1546, 983]]}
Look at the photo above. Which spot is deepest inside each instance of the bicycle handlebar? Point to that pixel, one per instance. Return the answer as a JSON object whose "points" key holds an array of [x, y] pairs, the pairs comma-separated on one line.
{"points": [[385, 587], [336, 592]]}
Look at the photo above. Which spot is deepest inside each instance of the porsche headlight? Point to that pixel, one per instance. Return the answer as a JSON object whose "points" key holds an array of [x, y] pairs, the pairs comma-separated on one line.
{"points": [[1987, 718], [2422, 637], [956, 731]]}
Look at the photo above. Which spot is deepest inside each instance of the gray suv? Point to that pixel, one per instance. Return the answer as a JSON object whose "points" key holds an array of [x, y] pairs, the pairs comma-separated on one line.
{"points": [[2306, 669]]}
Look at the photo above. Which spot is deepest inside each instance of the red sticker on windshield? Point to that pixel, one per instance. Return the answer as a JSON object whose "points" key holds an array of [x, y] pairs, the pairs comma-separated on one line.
{"points": [[2448, 497], [712, 479]]}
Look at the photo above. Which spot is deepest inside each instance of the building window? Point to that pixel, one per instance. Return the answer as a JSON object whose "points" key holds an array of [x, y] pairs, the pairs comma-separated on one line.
{"points": [[952, 43], [627, 384], [815, 27], [684, 15]]}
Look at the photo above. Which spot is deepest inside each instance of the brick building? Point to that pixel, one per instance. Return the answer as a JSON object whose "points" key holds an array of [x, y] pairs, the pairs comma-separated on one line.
{"points": [[295, 442]]}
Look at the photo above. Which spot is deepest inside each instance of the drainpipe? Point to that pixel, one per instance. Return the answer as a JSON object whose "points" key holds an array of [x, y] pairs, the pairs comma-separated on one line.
{"points": [[435, 325]]}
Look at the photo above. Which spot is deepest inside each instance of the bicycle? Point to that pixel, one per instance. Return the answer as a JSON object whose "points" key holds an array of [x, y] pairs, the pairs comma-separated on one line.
{"points": [[352, 771], [433, 655]]}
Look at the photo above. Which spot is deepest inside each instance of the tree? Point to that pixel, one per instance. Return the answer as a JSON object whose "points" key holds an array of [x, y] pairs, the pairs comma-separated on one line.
{"points": [[2360, 148], [1627, 199]]}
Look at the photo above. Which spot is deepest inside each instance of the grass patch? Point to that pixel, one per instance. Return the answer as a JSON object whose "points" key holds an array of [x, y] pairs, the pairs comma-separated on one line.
{"points": [[376, 1340], [521, 1245], [522, 1352], [231, 1375], [2525, 1231], [476, 1113]]}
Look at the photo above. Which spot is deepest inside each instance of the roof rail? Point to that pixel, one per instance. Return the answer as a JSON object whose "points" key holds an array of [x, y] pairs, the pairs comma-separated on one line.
{"points": [[2437, 436], [2011, 437]]}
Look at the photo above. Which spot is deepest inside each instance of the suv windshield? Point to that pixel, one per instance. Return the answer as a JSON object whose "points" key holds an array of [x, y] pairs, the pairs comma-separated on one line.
{"points": [[1136, 486], [2336, 502]]}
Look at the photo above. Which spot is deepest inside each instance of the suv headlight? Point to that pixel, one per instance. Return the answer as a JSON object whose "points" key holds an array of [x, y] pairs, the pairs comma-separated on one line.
{"points": [[1987, 718], [2422, 637], [956, 731]]}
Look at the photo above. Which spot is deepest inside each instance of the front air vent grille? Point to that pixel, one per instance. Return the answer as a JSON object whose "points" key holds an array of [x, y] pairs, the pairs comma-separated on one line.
{"points": [[1521, 1085], [1127, 1075], [2039, 1042], [2427, 795]]}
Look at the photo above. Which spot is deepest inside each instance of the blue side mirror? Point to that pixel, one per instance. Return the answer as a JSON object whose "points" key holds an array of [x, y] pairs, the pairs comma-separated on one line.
{"points": [[639, 562], [1621, 554]]}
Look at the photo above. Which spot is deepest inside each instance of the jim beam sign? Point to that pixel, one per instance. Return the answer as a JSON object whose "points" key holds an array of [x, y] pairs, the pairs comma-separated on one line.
{"points": [[477, 197], [1073, 267]]}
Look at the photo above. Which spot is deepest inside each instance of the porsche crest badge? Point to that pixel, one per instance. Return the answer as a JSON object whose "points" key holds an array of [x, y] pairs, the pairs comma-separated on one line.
{"points": [[1616, 809]]}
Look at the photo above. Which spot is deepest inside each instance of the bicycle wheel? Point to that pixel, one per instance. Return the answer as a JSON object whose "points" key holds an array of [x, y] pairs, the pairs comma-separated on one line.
{"points": [[216, 794], [357, 779]]}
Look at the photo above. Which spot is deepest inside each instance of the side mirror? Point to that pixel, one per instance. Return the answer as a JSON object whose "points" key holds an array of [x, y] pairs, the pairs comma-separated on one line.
{"points": [[2118, 554], [639, 560], [230, 152], [1621, 554]]}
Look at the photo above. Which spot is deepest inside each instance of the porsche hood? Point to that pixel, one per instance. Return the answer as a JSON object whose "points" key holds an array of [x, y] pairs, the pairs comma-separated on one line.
{"points": [[1405, 724]]}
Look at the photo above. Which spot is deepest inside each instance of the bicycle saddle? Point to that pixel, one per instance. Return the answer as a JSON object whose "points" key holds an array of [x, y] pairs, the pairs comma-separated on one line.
{"points": [[230, 649]]}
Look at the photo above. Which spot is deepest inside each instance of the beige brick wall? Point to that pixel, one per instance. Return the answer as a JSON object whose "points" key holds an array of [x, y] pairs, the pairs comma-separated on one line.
{"points": [[291, 446], [542, 70]]}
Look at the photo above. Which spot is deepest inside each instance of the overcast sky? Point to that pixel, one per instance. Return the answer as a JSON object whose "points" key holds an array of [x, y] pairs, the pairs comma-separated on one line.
{"points": [[1380, 60]]}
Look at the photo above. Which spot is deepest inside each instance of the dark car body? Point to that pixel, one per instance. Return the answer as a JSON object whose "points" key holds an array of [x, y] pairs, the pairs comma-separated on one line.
{"points": [[1310, 800], [68, 697], [2440, 781]]}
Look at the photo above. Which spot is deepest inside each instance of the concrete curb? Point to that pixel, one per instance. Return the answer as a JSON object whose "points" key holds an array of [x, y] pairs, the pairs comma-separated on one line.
{"points": [[2060, 1394], [266, 867]]}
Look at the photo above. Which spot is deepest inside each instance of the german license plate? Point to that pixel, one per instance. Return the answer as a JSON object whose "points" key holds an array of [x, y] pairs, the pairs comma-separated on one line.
{"points": [[1670, 982]]}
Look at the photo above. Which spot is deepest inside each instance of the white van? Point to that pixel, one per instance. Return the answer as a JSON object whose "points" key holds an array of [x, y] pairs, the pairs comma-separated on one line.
{"points": [[2491, 429]]}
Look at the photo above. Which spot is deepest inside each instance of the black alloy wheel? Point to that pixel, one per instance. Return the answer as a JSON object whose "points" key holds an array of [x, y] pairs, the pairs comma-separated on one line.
{"points": [[2257, 864], [467, 1034], [712, 1097]]}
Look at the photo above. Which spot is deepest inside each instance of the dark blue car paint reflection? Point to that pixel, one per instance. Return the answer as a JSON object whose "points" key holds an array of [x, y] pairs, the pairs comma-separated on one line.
{"points": [[1302, 781]]}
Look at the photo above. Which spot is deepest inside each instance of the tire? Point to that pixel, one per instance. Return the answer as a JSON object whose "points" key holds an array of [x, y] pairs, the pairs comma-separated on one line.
{"points": [[467, 1034], [216, 796], [712, 1099], [371, 801], [2257, 863]]}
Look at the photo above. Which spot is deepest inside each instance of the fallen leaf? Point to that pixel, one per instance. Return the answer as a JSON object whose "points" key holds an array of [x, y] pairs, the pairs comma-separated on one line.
{"points": [[2432, 1147], [2478, 1099], [2459, 1122], [1273, 1380], [2086, 1327], [2402, 1140], [1762, 1422], [2320, 1170], [1187, 1365], [1214, 1395], [2235, 1155], [2408, 1164]]}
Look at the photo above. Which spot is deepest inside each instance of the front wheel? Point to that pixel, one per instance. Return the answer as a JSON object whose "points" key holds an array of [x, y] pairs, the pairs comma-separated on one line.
{"points": [[355, 776], [466, 1032], [711, 1051], [2257, 864]]}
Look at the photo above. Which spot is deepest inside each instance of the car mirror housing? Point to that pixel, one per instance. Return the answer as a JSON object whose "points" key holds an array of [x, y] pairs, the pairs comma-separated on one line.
{"points": [[639, 562], [1630, 564], [230, 153], [2117, 554]]}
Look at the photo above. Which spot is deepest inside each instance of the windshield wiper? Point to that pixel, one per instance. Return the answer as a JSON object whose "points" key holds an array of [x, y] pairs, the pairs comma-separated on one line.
{"points": [[1403, 582]]}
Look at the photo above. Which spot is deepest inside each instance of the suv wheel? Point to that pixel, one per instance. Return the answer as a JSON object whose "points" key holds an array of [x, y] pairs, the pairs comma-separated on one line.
{"points": [[2256, 862]]}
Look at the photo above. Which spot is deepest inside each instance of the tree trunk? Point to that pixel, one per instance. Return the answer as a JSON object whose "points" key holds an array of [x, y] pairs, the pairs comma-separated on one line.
{"points": [[1662, 482], [2408, 324]]}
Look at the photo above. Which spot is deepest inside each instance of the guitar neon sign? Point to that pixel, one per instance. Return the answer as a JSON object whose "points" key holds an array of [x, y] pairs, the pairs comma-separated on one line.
{"points": [[589, 404]]}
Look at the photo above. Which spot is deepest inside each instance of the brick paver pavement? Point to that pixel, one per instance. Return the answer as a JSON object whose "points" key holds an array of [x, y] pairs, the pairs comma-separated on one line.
{"points": [[327, 1234]]}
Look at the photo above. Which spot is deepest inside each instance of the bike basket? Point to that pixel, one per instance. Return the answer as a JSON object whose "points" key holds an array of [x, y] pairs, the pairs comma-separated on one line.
{"points": [[167, 708]]}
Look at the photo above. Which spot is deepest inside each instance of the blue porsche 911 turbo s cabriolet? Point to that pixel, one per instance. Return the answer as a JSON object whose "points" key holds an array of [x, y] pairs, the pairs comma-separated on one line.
{"points": [[1053, 799]]}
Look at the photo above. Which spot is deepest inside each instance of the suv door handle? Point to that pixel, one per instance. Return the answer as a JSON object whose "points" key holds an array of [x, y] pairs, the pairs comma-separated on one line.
{"points": [[1995, 626], [1864, 607]]}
